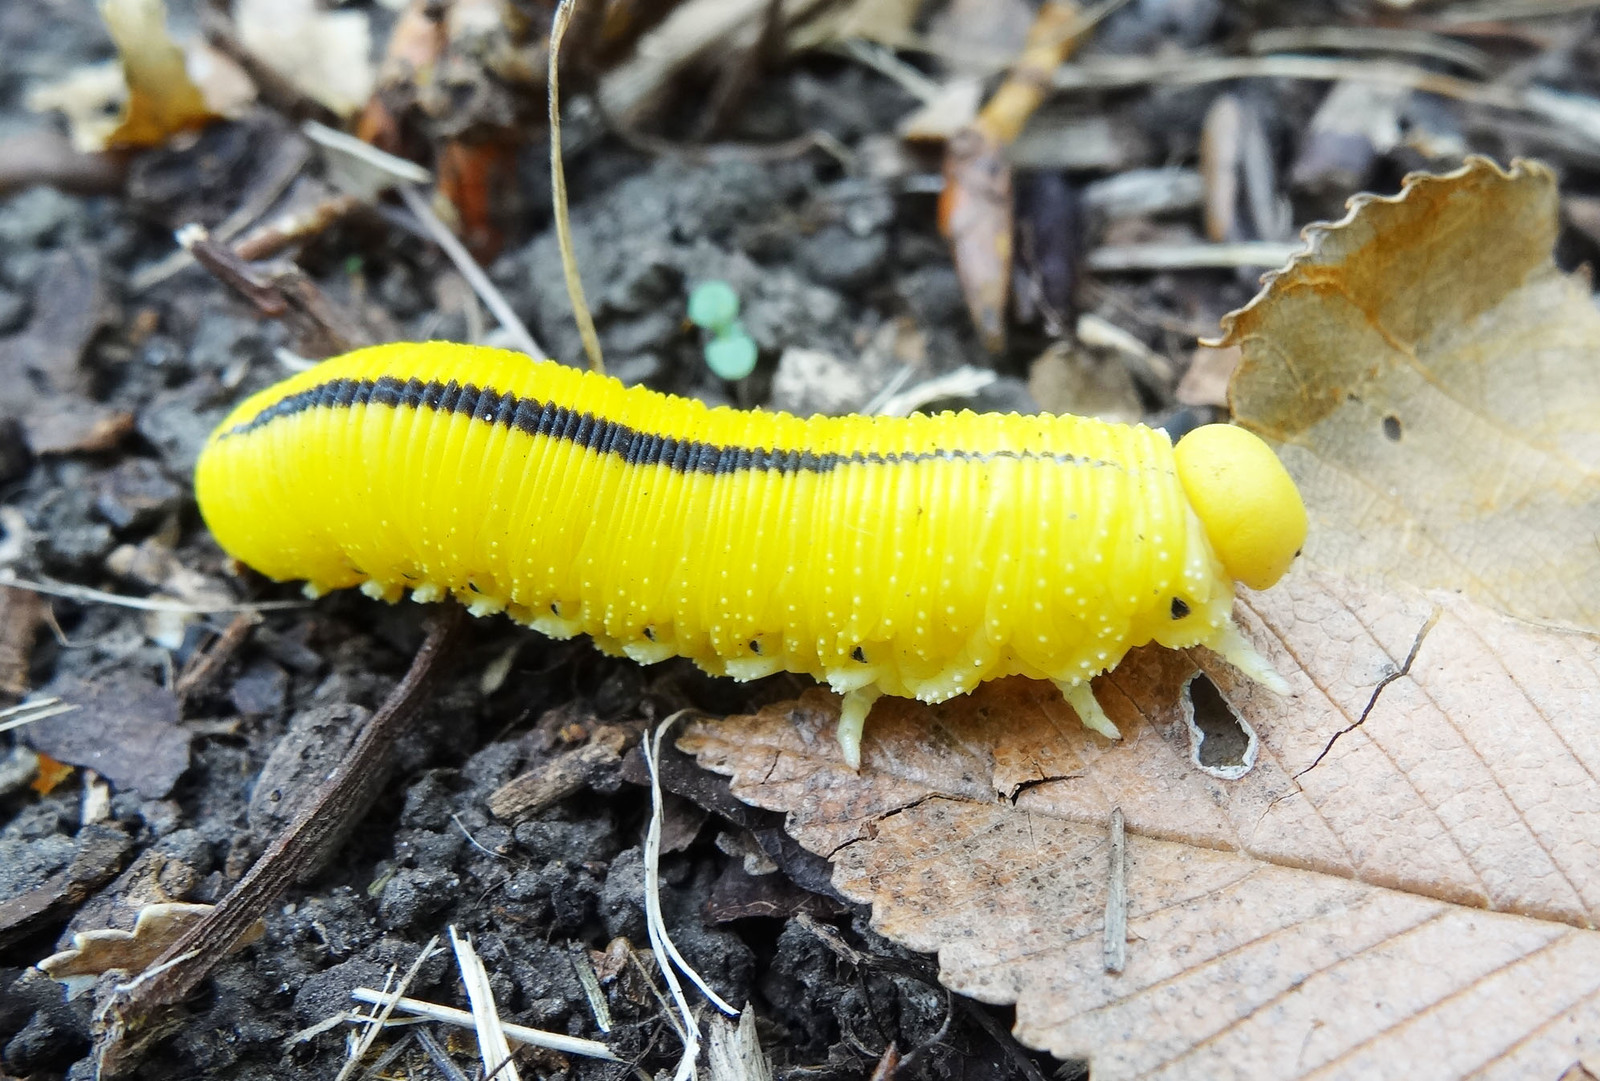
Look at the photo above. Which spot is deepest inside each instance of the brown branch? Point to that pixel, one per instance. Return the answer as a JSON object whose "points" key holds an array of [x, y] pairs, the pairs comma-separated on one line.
{"points": [[138, 1010]]}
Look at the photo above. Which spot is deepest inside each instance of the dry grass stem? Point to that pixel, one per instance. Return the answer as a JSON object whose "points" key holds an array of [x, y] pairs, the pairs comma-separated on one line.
{"points": [[491, 296], [141, 604], [1116, 945], [492, 1046], [558, 195], [28, 712], [554, 1041], [1198, 256], [376, 1020]]}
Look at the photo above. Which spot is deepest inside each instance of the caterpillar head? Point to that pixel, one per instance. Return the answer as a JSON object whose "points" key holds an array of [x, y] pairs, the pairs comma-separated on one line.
{"points": [[1250, 508]]}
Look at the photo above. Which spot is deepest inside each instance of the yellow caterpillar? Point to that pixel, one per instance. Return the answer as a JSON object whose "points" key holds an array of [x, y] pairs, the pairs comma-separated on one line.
{"points": [[912, 556]]}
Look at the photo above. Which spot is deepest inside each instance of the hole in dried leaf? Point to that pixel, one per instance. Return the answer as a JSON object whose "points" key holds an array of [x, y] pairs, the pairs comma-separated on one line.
{"points": [[1391, 428], [1221, 742]]}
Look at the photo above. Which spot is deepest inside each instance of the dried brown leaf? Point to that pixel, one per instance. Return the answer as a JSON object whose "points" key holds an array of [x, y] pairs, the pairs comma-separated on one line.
{"points": [[110, 949], [1430, 375], [1416, 852], [126, 729], [1206, 381]]}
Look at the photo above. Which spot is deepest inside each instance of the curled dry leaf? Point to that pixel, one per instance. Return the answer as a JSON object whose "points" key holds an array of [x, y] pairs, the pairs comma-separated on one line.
{"points": [[1416, 853], [162, 99], [1430, 375], [109, 949]]}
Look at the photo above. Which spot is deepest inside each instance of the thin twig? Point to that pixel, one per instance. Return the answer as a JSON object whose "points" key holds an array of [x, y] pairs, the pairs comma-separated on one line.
{"points": [[554, 1041], [285, 168], [439, 1056], [1198, 256], [1110, 72], [28, 712], [274, 236], [492, 1046], [344, 795], [1116, 942], [141, 604], [392, 1052], [591, 989], [712, 153], [1497, 10], [379, 1017], [1294, 39], [963, 382], [491, 296], [207, 663], [558, 195]]}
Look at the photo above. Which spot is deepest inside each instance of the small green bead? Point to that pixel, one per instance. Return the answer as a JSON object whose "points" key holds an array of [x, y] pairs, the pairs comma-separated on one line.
{"points": [[731, 356], [713, 305]]}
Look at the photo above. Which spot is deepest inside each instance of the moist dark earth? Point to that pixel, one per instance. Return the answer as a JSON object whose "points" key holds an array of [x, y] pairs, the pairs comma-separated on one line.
{"points": [[822, 259]]}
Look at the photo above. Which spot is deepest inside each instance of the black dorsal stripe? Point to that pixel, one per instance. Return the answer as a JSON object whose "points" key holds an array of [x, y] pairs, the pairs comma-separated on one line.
{"points": [[532, 417]]}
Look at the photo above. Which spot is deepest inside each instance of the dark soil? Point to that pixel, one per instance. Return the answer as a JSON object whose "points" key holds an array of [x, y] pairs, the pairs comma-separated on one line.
{"points": [[820, 259]]}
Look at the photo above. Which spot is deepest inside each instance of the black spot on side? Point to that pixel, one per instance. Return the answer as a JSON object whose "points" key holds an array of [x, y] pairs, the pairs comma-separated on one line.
{"points": [[859, 655], [1391, 428], [1180, 607], [650, 633], [755, 646]]}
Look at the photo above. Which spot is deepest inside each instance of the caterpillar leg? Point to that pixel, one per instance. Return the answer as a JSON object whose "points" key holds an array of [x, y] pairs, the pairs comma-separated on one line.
{"points": [[852, 719], [1233, 648], [1080, 696]]}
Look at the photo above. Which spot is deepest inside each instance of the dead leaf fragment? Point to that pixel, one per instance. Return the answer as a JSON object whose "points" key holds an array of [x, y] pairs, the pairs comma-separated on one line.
{"points": [[325, 55], [49, 775], [1234, 969], [1206, 381], [1416, 853], [126, 729], [1430, 375], [43, 378], [109, 949], [75, 426]]}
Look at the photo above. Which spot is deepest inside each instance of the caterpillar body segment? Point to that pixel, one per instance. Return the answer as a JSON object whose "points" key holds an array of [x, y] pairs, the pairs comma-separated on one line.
{"points": [[912, 556]]}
